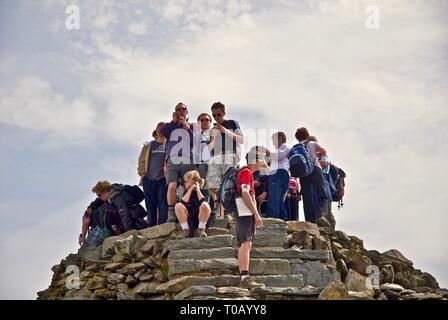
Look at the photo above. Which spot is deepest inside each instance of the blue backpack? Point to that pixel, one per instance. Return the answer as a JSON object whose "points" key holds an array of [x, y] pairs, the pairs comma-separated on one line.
{"points": [[227, 192], [300, 163]]}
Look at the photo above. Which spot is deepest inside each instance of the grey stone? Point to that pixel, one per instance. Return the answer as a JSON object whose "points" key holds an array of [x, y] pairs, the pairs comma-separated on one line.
{"points": [[178, 266], [269, 266], [395, 255], [115, 278], [356, 282], [161, 230], [134, 266], [215, 253], [199, 243], [422, 296], [363, 295], [179, 284], [232, 292], [321, 255], [286, 291], [270, 239], [108, 247], [335, 290], [146, 288], [202, 290], [90, 254], [225, 263], [392, 287], [342, 268], [275, 252], [315, 273], [214, 231], [114, 266], [296, 226], [280, 280], [387, 274], [342, 236]]}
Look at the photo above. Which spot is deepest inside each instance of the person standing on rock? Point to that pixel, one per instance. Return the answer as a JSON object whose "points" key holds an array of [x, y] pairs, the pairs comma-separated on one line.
{"points": [[193, 211], [152, 177], [314, 180], [228, 137], [179, 153], [246, 225], [278, 180]]}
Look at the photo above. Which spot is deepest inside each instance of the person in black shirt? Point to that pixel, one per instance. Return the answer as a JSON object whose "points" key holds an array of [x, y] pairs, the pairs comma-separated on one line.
{"points": [[193, 211]]}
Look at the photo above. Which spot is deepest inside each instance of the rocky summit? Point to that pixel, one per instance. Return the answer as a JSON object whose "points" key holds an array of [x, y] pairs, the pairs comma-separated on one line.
{"points": [[295, 260]]}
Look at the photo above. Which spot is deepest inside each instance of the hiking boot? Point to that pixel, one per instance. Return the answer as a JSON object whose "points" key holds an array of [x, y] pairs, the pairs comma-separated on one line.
{"points": [[184, 234], [250, 283], [171, 216], [332, 220], [323, 222], [199, 233]]}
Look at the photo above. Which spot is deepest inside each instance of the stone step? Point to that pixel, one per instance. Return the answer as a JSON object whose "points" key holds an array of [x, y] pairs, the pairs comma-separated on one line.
{"points": [[314, 273], [209, 290], [286, 291], [181, 283], [269, 266], [199, 243], [200, 254], [182, 266]]}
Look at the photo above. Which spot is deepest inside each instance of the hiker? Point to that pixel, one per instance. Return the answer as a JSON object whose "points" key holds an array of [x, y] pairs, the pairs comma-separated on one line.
{"points": [[261, 189], [247, 216], [292, 199], [205, 142], [100, 219], [278, 177], [126, 199], [152, 177], [179, 157], [226, 150], [193, 211], [314, 179], [325, 164]]}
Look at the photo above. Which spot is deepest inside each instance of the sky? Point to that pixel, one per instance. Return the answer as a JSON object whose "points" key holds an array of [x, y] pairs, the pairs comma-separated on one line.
{"points": [[76, 104]]}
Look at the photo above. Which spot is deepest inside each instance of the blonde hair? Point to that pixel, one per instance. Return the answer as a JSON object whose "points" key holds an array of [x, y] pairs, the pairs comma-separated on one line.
{"points": [[194, 176], [101, 186]]}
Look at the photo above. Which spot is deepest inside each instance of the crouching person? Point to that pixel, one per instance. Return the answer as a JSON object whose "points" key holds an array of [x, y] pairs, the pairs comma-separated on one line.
{"points": [[126, 199], [101, 219], [193, 211], [247, 222]]}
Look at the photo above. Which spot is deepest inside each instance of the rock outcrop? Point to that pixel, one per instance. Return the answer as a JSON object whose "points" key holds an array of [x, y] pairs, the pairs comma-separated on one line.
{"points": [[295, 260]]}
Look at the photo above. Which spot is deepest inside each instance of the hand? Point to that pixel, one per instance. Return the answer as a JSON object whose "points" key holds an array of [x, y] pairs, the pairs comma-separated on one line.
{"points": [[261, 197], [183, 122], [81, 240], [221, 129], [258, 220], [174, 116], [197, 186]]}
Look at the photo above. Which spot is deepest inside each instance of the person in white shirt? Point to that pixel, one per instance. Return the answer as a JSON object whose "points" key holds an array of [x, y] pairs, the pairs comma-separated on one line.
{"points": [[278, 180]]}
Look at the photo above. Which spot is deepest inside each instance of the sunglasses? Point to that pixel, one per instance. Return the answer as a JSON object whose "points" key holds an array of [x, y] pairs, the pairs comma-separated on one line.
{"points": [[181, 109], [217, 115], [205, 120]]}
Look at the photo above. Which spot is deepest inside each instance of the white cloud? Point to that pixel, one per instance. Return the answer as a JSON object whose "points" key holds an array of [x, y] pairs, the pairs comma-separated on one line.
{"points": [[31, 104], [138, 28]]}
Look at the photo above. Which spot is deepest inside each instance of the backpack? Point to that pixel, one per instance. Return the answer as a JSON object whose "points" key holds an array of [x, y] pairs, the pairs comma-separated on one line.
{"points": [[135, 191], [338, 176], [100, 232], [300, 163], [227, 192]]}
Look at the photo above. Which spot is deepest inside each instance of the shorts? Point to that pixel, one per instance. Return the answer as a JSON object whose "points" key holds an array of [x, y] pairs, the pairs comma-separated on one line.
{"points": [[217, 167], [176, 172], [245, 229]]}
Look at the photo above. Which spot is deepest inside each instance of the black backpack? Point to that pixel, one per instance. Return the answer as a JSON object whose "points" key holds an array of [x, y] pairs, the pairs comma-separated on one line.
{"points": [[136, 193], [338, 176]]}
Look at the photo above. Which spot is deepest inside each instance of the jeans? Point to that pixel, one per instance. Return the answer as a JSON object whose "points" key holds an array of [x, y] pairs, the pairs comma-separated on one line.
{"points": [[314, 183], [155, 198], [278, 185]]}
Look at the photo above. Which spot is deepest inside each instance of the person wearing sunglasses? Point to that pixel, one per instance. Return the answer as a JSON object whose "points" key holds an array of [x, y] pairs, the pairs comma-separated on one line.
{"points": [[226, 151], [179, 152]]}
